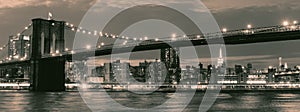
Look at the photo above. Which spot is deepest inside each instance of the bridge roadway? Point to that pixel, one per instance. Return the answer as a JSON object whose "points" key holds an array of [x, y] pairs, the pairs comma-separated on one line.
{"points": [[154, 45]]}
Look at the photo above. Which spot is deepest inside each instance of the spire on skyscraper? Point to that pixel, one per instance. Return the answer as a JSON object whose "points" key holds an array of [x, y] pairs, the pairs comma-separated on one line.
{"points": [[220, 59]]}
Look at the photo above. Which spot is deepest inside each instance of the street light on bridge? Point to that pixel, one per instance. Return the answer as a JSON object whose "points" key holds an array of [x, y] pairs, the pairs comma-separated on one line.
{"points": [[88, 47], [285, 23], [249, 26], [295, 22], [224, 30]]}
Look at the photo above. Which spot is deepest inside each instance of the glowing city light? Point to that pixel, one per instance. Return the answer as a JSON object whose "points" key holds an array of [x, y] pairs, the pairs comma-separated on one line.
{"points": [[88, 46], [57, 51], [224, 30], [174, 35], [295, 22], [17, 57], [285, 23], [249, 26], [102, 44], [156, 39], [26, 28], [146, 38]]}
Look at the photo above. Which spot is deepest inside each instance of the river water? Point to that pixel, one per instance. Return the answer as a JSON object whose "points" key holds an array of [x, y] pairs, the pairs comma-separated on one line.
{"points": [[72, 101]]}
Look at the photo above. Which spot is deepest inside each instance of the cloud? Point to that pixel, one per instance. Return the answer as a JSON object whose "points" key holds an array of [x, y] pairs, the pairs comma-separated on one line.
{"points": [[223, 5], [24, 3], [5, 4]]}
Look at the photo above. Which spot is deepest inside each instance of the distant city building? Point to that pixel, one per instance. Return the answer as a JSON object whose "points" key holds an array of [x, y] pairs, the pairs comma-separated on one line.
{"points": [[189, 75], [170, 56], [220, 59], [156, 72], [18, 47], [121, 71], [242, 76]]}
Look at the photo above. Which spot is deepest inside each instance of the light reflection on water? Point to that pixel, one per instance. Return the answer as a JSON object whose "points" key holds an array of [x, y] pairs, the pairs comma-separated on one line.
{"points": [[71, 101]]}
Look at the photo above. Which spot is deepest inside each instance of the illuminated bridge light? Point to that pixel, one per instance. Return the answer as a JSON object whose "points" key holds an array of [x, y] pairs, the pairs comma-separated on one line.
{"points": [[146, 38], [88, 46], [174, 35], [285, 23], [295, 22], [102, 44], [224, 30], [26, 28], [249, 26], [198, 36]]}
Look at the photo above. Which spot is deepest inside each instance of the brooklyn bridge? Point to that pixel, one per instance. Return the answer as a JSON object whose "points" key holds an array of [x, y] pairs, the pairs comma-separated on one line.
{"points": [[40, 51]]}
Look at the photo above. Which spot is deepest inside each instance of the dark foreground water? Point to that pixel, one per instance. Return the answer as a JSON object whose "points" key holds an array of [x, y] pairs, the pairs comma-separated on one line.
{"points": [[71, 101]]}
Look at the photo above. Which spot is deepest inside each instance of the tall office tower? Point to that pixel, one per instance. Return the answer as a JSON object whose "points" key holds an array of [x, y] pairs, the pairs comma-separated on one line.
{"points": [[220, 59], [170, 56], [18, 47]]}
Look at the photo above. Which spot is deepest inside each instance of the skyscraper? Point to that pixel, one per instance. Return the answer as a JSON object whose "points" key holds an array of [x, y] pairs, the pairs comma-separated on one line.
{"points": [[18, 46], [170, 56], [220, 59]]}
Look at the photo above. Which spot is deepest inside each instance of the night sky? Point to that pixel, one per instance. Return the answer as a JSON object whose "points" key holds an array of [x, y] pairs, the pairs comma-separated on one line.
{"points": [[232, 14]]}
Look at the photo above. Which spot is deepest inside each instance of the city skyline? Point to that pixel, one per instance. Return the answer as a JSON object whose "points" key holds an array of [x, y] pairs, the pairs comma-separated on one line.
{"points": [[267, 13]]}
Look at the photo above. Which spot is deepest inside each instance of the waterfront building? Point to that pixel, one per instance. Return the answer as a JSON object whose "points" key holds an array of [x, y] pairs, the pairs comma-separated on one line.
{"points": [[121, 71], [156, 72], [189, 75], [170, 56], [242, 76], [271, 74]]}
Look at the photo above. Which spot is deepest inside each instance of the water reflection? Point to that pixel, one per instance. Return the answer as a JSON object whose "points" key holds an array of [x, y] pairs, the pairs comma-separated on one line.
{"points": [[71, 101], [40, 102]]}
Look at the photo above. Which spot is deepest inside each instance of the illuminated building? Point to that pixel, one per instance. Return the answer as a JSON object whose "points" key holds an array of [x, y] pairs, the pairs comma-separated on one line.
{"points": [[170, 56], [18, 47]]}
